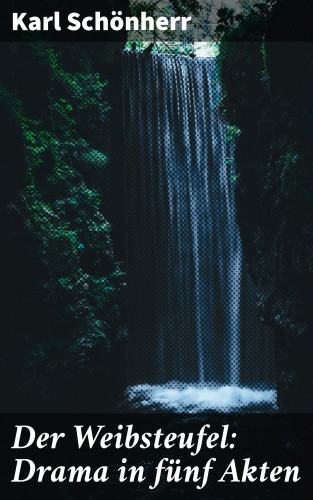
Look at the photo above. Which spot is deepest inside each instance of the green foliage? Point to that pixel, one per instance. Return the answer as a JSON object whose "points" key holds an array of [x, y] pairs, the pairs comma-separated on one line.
{"points": [[256, 88], [232, 132], [251, 22], [287, 164], [62, 212]]}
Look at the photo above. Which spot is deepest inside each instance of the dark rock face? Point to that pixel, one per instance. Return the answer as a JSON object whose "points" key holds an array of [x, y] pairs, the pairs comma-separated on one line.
{"points": [[267, 94]]}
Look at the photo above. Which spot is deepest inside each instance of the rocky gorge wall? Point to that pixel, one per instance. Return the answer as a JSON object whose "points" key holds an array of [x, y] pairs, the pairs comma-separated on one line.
{"points": [[267, 93]]}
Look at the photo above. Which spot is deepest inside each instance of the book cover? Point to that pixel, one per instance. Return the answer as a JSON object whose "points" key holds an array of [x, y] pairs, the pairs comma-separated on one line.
{"points": [[156, 256]]}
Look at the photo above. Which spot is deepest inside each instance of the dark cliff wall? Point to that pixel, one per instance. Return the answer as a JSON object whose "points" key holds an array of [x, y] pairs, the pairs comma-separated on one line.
{"points": [[267, 95]]}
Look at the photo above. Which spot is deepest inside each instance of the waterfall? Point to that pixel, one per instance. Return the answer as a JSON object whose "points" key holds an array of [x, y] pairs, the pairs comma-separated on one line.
{"points": [[191, 303]]}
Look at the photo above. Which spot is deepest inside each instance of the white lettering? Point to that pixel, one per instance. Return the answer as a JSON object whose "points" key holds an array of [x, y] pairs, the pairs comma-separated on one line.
{"points": [[17, 21], [162, 23], [88, 434], [184, 21], [74, 22], [31, 472]]}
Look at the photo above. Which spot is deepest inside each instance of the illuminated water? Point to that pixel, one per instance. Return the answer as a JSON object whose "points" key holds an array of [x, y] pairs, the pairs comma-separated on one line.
{"points": [[193, 329]]}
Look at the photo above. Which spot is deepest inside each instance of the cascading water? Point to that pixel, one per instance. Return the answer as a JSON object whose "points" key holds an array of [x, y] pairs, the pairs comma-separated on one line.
{"points": [[194, 337]]}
